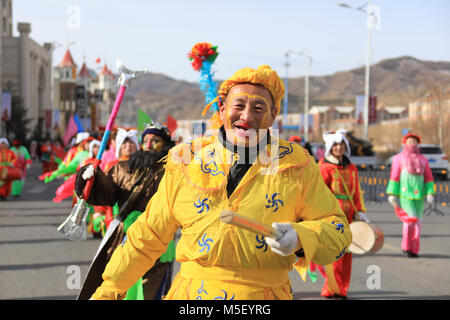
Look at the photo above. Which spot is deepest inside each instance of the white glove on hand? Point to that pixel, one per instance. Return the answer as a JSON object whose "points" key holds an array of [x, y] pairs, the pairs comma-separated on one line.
{"points": [[288, 243], [430, 198], [393, 200], [88, 173], [363, 217]]}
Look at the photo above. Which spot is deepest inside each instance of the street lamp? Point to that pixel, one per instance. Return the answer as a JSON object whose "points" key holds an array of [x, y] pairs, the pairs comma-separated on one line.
{"points": [[304, 53], [309, 61], [369, 13], [286, 80]]}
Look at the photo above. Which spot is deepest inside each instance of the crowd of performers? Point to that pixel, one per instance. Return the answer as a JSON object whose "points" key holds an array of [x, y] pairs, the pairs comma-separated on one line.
{"points": [[146, 188], [14, 163], [128, 176]]}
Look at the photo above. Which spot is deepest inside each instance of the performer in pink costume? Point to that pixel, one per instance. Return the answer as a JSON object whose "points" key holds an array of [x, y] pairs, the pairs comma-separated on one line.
{"points": [[410, 182]]}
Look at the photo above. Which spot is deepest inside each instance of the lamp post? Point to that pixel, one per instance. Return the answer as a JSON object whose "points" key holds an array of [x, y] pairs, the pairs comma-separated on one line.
{"points": [[286, 85], [309, 61], [368, 13]]}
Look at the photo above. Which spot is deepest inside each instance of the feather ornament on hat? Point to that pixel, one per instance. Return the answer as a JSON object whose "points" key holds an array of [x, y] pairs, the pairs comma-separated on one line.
{"points": [[203, 55], [122, 135], [332, 137]]}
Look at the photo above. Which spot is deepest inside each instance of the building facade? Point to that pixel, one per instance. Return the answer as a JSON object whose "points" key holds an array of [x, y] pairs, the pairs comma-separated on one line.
{"points": [[25, 67]]}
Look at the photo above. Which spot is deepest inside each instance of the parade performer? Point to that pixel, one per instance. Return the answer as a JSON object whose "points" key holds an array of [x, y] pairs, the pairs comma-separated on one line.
{"points": [[273, 181], [46, 151], [120, 151], [68, 157], [131, 183], [67, 189], [410, 183], [341, 177], [23, 163], [33, 147], [95, 219], [58, 154], [7, 159], [76, 157]]}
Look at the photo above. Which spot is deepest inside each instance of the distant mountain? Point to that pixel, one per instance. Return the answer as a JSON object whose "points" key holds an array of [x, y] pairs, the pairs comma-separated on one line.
{"points": [[159, 95], [395, 81]]}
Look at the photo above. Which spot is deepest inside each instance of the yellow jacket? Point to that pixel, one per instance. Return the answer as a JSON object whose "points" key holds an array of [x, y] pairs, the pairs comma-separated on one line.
{"points": [[285, 187]]}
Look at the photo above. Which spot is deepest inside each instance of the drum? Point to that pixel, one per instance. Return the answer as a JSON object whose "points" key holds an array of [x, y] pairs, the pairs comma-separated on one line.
{"points": [[10, 173], [367, 238]]}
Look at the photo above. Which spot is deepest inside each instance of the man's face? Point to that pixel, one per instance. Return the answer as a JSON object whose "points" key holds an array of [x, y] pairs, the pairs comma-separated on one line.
{"points": [[246, 110], [152, 142], [3, 146]]}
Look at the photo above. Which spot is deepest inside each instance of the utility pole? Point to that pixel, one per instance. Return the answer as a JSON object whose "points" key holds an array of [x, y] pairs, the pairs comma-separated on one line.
{"points": [[306, 103], [371, 24], [286, 86]]}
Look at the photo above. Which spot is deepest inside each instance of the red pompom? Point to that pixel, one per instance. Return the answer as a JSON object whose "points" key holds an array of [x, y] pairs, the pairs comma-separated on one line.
{"points": [[202, 51]]}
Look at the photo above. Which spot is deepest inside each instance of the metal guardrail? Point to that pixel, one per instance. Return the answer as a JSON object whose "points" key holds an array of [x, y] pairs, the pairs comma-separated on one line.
{"points": [[374, 183]]}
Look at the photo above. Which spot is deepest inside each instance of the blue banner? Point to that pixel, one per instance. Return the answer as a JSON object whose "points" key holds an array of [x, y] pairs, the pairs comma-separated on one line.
{"points": [[78, 122]]}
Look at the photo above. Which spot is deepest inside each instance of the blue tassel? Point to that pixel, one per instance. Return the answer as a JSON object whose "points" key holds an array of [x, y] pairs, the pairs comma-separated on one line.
{"points": [[207, 85]]}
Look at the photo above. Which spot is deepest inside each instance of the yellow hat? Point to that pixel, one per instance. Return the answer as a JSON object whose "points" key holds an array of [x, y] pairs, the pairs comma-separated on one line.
{"points": [[264, 76]]}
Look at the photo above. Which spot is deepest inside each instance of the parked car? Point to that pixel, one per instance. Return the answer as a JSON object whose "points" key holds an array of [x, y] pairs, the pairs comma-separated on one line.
{"points": [[437, 159]]}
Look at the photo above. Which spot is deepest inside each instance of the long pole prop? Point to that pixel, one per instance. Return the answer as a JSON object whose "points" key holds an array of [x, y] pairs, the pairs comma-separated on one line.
{"points": [[79, 210], [109, 125], [125, 76]]}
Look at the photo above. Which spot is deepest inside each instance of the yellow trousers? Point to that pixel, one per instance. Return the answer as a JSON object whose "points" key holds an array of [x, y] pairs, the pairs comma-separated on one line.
{"points": [[195, 282]]}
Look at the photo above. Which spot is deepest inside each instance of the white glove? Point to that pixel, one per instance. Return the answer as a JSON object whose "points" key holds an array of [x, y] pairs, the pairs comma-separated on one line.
{"points": [[88, 173], [363, 217], [430, 198], [288, 243], [393, 200]]}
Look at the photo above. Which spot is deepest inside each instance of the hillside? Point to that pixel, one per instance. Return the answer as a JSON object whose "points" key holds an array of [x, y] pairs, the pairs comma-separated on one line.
{"points": [[394, 81]]}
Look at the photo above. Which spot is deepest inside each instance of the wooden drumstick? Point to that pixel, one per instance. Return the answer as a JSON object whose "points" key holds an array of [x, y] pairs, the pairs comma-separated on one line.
{"points": [[240, 221]]}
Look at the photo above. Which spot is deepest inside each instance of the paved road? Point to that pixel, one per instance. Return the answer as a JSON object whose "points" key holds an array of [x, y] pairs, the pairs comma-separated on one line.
{"points": [[37, 262]]}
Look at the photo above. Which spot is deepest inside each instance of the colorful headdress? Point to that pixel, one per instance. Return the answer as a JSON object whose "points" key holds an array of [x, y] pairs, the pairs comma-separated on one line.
{"points": [[158, 129], [264, 76], [332, 137], [122, 135], [203, 55]]}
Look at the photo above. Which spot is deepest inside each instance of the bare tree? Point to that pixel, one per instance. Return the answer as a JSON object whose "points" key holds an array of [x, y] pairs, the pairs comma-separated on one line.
{"points": [[438, 86]]}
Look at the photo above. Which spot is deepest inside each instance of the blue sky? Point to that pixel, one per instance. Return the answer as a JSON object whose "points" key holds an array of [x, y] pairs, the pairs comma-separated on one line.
{"points": [[157, 35]]}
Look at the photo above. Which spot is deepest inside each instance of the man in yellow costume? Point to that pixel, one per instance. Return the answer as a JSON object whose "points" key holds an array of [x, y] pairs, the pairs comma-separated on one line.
{"points": [[246, 169]]}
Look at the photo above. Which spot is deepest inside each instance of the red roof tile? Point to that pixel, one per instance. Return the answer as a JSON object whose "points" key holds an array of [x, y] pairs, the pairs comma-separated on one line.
{"points": [[67, 60], [84, 72]]}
